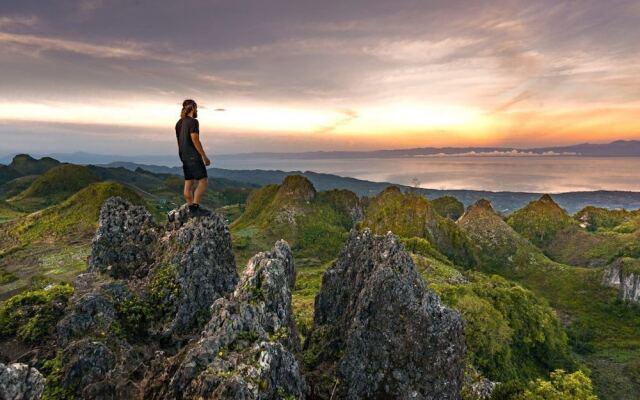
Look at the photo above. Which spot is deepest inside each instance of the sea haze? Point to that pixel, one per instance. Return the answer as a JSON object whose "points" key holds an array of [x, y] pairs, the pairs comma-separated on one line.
{"points": [[543, 174]]}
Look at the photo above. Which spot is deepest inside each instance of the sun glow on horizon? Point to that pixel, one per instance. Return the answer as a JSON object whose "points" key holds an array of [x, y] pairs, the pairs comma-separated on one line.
{"points": [[391, 125]]}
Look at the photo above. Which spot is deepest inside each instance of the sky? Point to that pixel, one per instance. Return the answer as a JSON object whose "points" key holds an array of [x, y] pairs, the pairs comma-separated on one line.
{"points": [[109, 76]]}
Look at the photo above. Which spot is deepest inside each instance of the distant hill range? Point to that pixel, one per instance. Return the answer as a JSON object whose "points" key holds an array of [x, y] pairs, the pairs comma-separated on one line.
{"points": [[503, 202], [22, 170], [618, 148]]}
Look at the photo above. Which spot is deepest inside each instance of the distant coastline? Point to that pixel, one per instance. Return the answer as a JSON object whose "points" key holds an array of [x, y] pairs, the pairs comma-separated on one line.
{"points": [[618, 148]]}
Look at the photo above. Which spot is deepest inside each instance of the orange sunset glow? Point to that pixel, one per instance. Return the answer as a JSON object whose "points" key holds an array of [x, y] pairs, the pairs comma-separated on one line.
{"points": [[360, 76]]}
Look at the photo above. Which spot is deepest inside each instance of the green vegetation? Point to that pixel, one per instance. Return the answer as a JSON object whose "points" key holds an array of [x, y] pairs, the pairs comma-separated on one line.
{"points": [[54, 186], [448, 206], [76, 217], [501, 249], [155, 305], [540, 221], [308, 282], [32, 315], [24, 164], [532, 307], [577, 246], [422, 247], [7, 174], [15, 186], [164, 291], [596, 218], [511, 333], [8, 212], [315, 224], [411, 215], [29, 266], [53, 389], [562, 385], [6, 277]]}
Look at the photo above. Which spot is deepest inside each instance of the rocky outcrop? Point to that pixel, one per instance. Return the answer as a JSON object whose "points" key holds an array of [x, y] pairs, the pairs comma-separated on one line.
{"points": [[291, 198], [20, 382], [379, 332], [125, 239], [162, 314], [148, 290], [246, 349], [624, 274]]}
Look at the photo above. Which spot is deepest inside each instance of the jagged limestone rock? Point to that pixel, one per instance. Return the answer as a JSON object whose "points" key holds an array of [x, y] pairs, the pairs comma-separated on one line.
{"points": [[20, 382], [149, 289], [125, 239], [246, 349], [379, 332], [204, 263]]}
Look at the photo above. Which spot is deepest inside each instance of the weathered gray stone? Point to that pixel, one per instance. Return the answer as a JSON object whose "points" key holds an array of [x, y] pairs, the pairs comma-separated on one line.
{"points": [[379, 332], [20, 382], [87, 362], [205, 265], [120, 314], [124, 240], [245, 351]]}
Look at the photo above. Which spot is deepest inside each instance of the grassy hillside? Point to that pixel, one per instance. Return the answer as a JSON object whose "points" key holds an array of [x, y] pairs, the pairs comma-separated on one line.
{"points": [[15, 186], [76, 217], [411, 215], [7, 174], [540, 221], [448, 206], [602, 219], [604, 333], [54, 186], [502, 249], [314, 223], [53, 244], [591, 239], [8, 212], [529, 304], [164, 191], [24, 164]]}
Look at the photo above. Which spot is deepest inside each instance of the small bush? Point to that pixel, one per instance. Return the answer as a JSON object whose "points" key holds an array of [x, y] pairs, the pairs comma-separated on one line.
{"points": [[32, 315]]}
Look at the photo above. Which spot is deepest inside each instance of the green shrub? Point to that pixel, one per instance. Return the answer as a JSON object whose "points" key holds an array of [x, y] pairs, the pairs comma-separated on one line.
{"points": [[511, 333], [33, 314], [53, 389], [561, 386]]}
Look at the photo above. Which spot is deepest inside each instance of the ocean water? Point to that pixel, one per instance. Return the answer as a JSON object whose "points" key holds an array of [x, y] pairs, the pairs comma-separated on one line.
{"points": [[523, 174]]}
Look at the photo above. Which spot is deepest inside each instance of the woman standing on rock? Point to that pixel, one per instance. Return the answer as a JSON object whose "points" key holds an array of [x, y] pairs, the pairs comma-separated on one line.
{"points": [[194, 159]]}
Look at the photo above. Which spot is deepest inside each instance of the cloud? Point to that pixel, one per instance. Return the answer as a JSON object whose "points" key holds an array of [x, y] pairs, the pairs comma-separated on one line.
{"points": [[18, 22], [348, 116], [524, 95], [222, 81], [511, 61], [123, 50]]}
